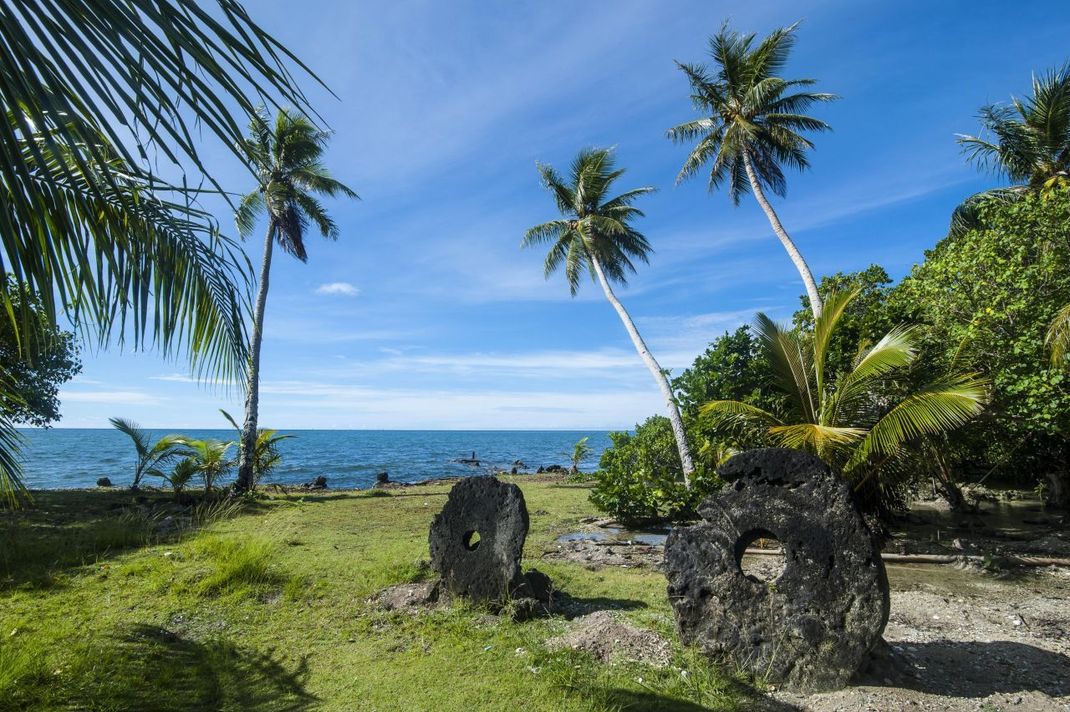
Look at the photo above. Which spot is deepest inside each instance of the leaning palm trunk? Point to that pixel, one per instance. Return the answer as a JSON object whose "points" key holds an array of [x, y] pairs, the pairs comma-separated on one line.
{"points": [[655, 370], [246, 475], [785, 239]]}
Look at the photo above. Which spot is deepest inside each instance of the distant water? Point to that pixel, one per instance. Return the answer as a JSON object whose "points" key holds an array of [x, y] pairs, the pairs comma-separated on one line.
{"points": [[69, 458]]}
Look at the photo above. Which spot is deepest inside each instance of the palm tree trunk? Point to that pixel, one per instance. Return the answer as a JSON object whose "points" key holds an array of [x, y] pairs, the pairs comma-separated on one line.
{"points": [[785, 239], [663, 383], [252, 392]]}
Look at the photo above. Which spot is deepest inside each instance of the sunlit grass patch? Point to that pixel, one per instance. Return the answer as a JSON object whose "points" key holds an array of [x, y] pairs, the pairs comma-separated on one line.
{"points": [[235, 566]]}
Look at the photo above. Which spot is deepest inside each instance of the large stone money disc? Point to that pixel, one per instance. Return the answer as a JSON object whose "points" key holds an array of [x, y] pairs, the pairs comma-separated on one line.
{"points": [[810, 628]]}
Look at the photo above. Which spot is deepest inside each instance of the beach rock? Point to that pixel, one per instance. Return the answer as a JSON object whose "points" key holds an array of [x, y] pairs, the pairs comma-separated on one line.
{"points": [[103, 482], [553, 470], [811, 628], [316, 484], [382, 478], [407, 596], [477, 539]]}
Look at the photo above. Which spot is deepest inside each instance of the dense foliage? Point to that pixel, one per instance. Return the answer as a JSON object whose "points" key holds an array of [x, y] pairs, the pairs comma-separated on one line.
{"points": [[986, 298], [36, 362], [864, 321], [859, 421], [639, 478]]}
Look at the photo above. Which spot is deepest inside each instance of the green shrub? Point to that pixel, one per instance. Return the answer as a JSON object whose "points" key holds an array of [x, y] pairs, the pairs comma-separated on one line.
{"points": [[640, 479]]}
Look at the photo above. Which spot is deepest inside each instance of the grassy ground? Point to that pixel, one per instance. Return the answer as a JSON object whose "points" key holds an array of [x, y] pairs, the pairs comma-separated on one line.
{"points": [[267, 610]]}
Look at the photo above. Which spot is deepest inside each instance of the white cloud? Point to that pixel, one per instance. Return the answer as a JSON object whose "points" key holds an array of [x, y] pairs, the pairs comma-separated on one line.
{"points": [[108, 397], [350, 406], [341, 289]]}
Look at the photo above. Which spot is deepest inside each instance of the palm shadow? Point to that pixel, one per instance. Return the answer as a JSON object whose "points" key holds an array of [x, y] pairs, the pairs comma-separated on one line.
{"points": [[970, 669], [65, 529], [152, 669], [575, 606]]}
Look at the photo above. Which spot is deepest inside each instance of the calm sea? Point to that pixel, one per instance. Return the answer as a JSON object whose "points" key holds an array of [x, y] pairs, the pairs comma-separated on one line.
{"points": [[67, 458]]}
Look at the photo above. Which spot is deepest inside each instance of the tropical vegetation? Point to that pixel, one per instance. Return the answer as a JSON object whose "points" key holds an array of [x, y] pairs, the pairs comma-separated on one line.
{"points": [[96, 96], [752, 125], [856, 421], [150, 457], [287, 157], [595, 236], [986, 299], [1026, 142]]}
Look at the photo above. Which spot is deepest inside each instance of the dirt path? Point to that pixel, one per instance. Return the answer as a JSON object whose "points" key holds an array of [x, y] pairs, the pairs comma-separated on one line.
{"points": [[964, 640]]}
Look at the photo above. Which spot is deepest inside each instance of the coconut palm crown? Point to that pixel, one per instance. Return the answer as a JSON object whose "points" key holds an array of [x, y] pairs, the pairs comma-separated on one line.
{"points": [[1027, 142], [287, 158], [752, 125], [595, 236], [855, 421]]}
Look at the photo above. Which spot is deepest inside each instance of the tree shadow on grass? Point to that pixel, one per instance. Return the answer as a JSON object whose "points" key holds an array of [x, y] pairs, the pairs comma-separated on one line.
{"points": [[65, 529], [575, 606], [152, 669]]}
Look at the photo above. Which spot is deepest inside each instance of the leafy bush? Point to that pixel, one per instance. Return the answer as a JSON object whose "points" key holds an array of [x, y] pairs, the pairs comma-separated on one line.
{"points": [[985, 299], [640, 479]]}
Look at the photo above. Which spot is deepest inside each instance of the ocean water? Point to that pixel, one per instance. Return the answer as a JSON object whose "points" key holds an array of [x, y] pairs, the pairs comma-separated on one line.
{"points": [[64, 458]]}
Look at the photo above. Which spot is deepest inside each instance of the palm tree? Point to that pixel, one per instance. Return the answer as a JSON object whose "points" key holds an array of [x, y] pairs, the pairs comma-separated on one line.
{"points": [[95, 95], [151, 457], [287, 160], [580, 452], [1029, 144], [266, 453], [210, 457], [182, 474], [858, 423], [596, 235], [752, 125]]}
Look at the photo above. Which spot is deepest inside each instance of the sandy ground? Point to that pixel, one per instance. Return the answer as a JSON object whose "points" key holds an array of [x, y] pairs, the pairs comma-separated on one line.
{"points": [[959, 637], [966, 640]]}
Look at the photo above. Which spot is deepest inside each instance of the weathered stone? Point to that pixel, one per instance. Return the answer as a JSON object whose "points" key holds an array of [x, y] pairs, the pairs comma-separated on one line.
{"points": [[103, 482], [382, 478], [477, 539], [812, 627], [407, 596]]}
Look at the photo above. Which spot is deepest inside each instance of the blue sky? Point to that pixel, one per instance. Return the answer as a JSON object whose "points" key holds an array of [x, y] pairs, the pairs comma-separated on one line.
{"points": [[426, 313]]}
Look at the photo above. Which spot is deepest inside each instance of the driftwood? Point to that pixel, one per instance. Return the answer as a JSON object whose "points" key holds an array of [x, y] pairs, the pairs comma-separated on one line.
{"points": [[943, 558]]}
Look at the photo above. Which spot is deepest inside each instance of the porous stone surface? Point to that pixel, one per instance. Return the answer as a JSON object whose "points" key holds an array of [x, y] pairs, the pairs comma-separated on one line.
{"points": [[487, 569], [812, 627]]}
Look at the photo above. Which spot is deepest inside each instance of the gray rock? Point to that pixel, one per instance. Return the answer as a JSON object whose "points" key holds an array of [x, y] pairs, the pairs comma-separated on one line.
{"points": [[477, 539], [812, 627], [104, 482], [407, 596], [382, 478]]}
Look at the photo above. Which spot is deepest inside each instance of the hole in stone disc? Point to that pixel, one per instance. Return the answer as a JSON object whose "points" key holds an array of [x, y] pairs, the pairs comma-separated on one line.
{"points": [[765, 567], [471, 540]]}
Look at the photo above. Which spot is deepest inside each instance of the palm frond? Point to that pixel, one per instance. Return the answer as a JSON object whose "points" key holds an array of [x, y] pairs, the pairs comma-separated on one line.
{"points": [[943, 405], [1058, 337]]}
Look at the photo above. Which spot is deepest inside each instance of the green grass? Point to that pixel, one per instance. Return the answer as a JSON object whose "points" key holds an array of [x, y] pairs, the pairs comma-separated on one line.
{"points": [[267, 610]]}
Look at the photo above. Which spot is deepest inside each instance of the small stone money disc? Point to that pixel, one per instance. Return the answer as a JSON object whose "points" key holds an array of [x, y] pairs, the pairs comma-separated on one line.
{"points": [[477, 540]]}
